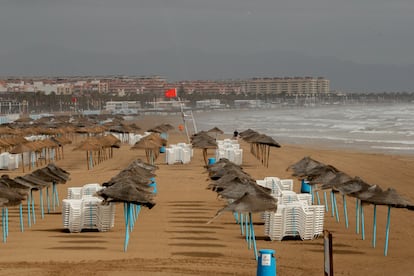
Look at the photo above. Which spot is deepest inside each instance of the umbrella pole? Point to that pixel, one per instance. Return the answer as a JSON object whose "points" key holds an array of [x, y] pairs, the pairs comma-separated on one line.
{"points": [[56, 194], [253, 236], [33, 210], [3, 223], [345, 212], [126, 215], [357, 216], [47, 200], [87, 159], [336, 208], [247, 231], [332, 204], [22, 162], [318, 198], [362, 222], [387, 231], [241, 224], [42, 212], [21, 217], [29, 213], [374, 228]]}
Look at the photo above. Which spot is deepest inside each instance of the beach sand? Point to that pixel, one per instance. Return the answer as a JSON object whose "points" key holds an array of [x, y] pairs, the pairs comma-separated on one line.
{"points": [[173, 238]]}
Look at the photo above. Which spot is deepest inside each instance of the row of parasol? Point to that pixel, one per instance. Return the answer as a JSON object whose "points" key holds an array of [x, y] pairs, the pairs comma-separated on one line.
{"points": [[326, 177], [134, 186], [242, 194], [14, 191]]}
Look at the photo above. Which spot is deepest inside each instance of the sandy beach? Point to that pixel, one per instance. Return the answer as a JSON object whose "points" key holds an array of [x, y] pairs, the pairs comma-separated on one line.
{"points": [[173, 238]]}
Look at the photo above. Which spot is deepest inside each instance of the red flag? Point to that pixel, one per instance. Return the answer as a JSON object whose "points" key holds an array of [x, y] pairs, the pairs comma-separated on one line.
{"points": [[171, 93]]}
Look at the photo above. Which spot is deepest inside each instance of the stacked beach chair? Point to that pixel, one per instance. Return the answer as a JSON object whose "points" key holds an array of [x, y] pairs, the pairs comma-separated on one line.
{"points": [[178, 153], [295, 215], [229, 149], [82, 210]]}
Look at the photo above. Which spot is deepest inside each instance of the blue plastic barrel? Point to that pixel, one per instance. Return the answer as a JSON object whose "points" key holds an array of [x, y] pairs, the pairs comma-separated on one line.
{"points": [[305, 187], [162, 149], [266, 263], [211, 161]]}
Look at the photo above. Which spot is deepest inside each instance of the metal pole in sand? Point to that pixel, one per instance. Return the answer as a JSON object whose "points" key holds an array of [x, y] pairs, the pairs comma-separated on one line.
{"points": [[387, 231], [374, 228], [345, 212]]}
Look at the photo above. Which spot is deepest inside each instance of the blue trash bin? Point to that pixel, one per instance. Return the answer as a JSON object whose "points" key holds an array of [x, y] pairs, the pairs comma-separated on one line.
{"points": [[266, 263], [305, 187], [211, 161], [162, 149]]}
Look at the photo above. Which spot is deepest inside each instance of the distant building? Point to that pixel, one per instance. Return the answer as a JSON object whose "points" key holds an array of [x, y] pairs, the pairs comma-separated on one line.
{"points": [[300, 86], [123, 107], [248, 103], [210, 104]]}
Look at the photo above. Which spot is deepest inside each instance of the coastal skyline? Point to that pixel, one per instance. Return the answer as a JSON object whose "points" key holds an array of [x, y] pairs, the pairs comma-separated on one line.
{"points": [[358, 45]]}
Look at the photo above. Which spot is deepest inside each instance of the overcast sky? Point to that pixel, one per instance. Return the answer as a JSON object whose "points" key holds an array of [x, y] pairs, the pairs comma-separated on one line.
{"points": [[204, 39]]}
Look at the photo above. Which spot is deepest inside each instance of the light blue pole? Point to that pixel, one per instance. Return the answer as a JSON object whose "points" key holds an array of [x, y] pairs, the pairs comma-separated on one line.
{"points": [[47, 200], [246, 223], [332, 204], [126, 215], [317, 198], [56, 193], [7, 222], [345, 212], [374, 228], [21, 217], [362, 222], [236, 217], [326, 202], [387, 231], [253, 236], [131, 220], [33, 209], [336, 208], [3, 224], [357, 216], [29, 212], [42, 212], [241, 224]]}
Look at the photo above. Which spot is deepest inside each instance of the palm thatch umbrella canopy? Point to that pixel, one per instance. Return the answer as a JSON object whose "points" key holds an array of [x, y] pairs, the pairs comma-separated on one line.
{"points": [[352, 187], [260, 144], [248, 203], [390, 198], [303, 166], [215, 131], [90, 146], [162, 128], [126, 192], [151, 144], [21, 149], [22, 189], [203, 141], [10, 196]]}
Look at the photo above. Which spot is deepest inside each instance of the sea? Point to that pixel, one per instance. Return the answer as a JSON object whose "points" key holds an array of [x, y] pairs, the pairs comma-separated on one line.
{"points": [[385, 128]]}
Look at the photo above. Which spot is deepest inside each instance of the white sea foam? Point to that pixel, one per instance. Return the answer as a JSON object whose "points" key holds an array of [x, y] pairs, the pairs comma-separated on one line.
{"points": [[380, 128]]}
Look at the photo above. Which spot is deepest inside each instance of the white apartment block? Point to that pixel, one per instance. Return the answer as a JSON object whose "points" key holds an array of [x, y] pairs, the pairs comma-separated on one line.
{"points": [[300, 86], [121, 106]]}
